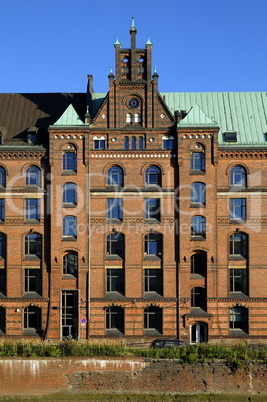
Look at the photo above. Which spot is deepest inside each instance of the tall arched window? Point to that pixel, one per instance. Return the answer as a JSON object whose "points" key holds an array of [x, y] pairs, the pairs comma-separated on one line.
{"points": [[198, 193], [126, 143], [133, 143], [115, 176], [69, 193], [33, 176], [197, 158], [238, 245], [198, 226], [3, 245], [2, 176], [33, 245], [141, 143], [70, 226], [70, 263], [137, 118], [153, 176], [69, 158], [238, 176]]}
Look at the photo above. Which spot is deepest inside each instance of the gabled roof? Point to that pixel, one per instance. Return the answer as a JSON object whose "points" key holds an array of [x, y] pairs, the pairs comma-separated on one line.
{"points": [[69, 118], [196, 118]]}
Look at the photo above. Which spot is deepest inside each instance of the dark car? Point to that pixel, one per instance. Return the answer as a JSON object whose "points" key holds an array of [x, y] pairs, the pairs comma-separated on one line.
{"points": [[167, 343]]}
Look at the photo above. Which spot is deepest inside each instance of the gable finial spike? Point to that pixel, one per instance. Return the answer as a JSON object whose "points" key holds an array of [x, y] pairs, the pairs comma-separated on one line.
{"points": [[110, 69], [155, 69], [133, 26]]}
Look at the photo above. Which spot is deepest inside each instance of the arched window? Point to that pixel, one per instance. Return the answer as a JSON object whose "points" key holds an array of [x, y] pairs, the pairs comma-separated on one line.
{"points": [[3, 245], [2, 320], [129, 118], [115, 244], [70, 263], [33, 176], [32, 319], [137, 118], [199, 263], [69, 158], [126, 143], [70, 226], [33, 245], [153, 319], [198, 226], [115, 319], [238, 176], [198, 297], [141, 143], [239, 318], [238, 245], [69, 193], [198, 193], [153, 244], [133, 143], [198, 333], [115, 176], [153, 176], [197, 158], [2, 176]]}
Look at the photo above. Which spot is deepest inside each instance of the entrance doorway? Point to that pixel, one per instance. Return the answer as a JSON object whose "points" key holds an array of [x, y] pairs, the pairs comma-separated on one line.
{"points": [[69, 318], [199, 333]]}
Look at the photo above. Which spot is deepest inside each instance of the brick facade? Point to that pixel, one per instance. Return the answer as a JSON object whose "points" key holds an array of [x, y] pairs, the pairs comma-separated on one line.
{"points": [[134, 237]]}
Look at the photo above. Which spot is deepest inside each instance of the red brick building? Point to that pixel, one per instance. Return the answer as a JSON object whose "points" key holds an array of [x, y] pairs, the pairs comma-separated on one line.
{"points": [[133, 214]]}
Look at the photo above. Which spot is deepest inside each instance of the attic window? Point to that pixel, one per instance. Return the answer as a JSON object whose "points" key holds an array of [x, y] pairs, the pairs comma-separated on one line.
{"points": [[230, 136], [32, 137]]}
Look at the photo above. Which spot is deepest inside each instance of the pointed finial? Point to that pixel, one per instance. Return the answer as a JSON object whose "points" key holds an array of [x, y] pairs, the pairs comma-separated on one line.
{"points": [[117, 43], [110, 70], [133, 29], [155, 69], [149, 43]]}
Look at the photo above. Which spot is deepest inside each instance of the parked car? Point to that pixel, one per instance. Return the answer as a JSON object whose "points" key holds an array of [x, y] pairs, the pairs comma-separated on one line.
{"points": [[167, 343]]}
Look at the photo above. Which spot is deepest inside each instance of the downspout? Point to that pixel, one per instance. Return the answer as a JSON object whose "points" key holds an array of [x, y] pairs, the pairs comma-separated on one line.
{"points": [[89, 257]]}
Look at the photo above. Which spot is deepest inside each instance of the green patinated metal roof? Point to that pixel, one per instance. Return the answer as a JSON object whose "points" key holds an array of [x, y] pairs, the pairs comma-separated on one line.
{"points": [[243, 112], [197, 118], [69, 118]]}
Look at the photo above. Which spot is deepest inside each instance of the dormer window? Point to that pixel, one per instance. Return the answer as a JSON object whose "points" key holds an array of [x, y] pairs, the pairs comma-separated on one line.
{"points": [[230, 136], [32, 137]]}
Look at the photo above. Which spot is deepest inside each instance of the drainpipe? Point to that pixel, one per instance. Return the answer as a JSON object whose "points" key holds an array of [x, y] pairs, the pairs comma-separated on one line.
{"points": [[89, 257]]}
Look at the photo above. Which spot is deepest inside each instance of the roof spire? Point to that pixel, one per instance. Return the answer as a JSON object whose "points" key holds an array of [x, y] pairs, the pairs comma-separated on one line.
{"points": [[133, 29]]}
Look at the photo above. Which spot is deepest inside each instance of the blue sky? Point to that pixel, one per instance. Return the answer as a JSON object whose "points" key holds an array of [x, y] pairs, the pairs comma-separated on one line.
{"points": [[198, 45]]}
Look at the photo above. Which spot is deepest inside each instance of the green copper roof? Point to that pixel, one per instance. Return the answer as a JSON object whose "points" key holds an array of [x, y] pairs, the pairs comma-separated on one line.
{"points": [[69, 118], [196, 118], [243, 112]]}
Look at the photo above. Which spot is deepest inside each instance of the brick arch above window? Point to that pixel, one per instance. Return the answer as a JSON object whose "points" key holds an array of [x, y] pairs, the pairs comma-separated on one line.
{"points": [[235, 164], [197, 146], [109, 165], [146, 165], [27, 165], [65, 147]]}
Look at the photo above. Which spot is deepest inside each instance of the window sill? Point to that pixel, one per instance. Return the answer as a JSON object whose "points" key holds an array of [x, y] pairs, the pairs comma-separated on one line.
{"points": [[197, 172], [197, 205], [68, 173], [152, 257], [153, 187], [31, 258], [237, 258], [197, 276], [152, 221], [69, 238], [114, 220], [69, 276], [2, 221], [69, 205], [113, 257], [237, 221], [114, 332], [29, 221], [238, 332], [198, 238]]}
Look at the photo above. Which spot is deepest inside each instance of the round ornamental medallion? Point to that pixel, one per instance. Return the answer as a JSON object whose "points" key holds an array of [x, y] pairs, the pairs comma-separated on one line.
{"points": [[133, 103]]}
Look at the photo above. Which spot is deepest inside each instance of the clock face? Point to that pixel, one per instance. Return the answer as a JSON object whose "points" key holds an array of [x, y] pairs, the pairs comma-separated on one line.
{"points": [[133, 103]]}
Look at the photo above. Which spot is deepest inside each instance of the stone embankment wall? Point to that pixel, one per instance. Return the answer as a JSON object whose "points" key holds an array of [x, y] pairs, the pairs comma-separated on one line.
{"points": [[36, 377]]}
